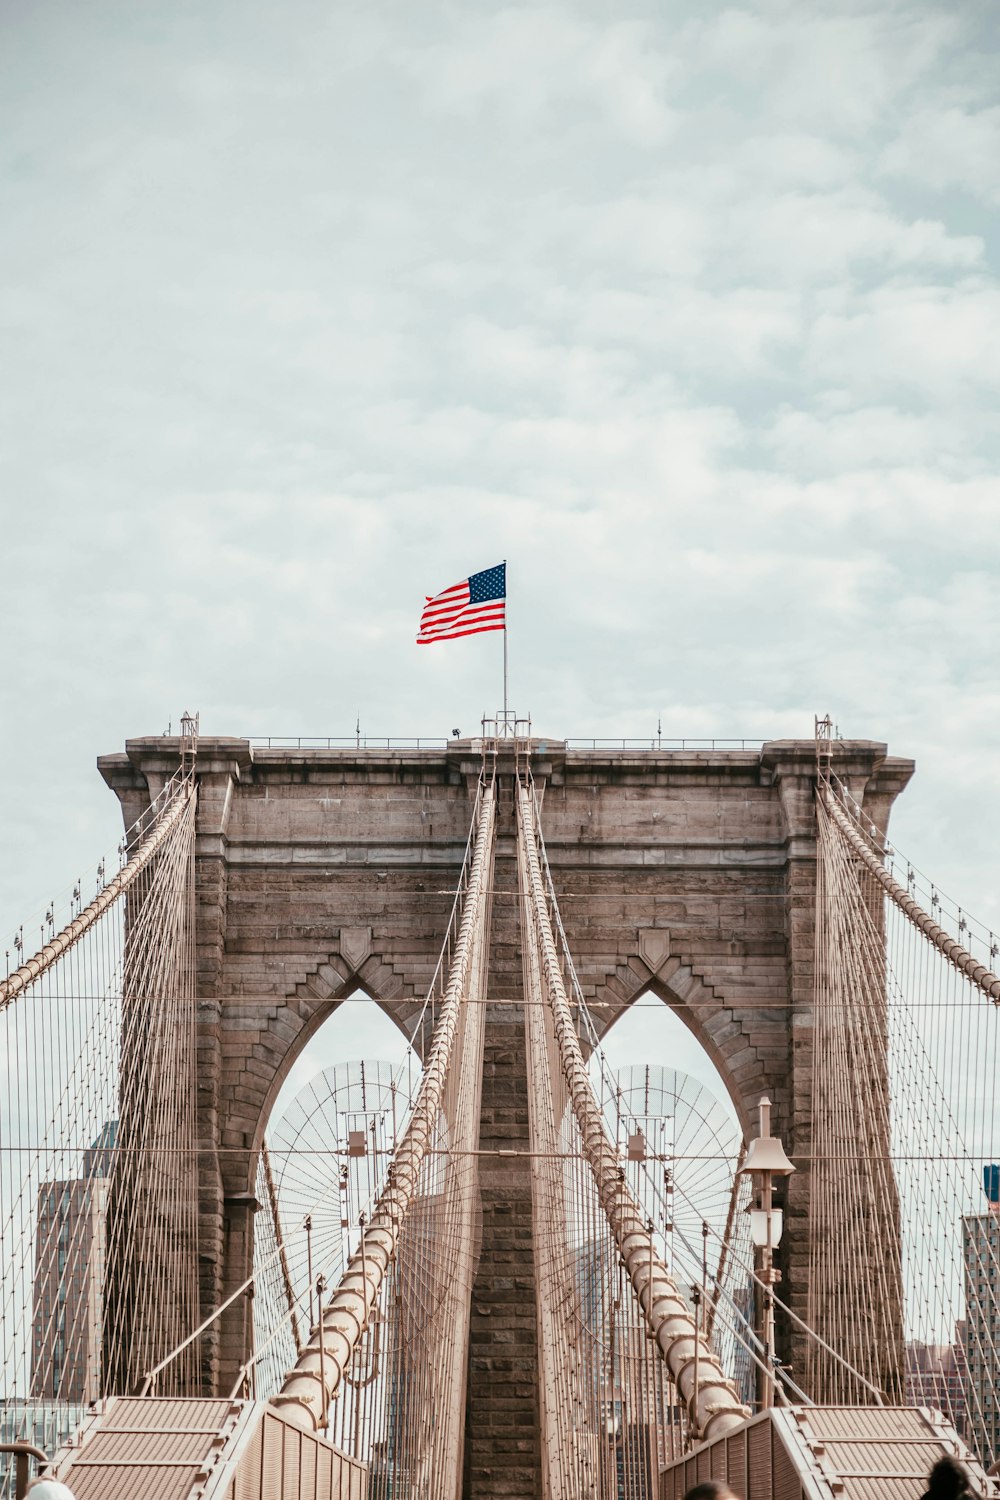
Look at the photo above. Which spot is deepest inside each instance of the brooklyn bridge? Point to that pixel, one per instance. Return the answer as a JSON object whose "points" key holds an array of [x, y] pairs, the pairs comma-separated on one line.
{"points": [[502, 1268]]}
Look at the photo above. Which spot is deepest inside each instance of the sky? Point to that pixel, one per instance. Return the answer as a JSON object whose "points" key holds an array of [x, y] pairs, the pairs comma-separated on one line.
{"points": [[690, 313]]}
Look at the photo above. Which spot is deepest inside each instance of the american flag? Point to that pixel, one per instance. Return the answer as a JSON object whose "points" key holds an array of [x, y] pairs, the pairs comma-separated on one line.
{"points": [[477, 603]]}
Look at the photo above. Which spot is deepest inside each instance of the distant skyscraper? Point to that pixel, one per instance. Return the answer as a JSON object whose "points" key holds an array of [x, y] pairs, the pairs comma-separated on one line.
{"points": [[981, 1249], [935, 1377], [70, 1251]]}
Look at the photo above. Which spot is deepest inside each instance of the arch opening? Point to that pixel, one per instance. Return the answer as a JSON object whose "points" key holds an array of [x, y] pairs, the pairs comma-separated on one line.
{"points": [[655, 1029], [326, 1144], [368, 1025], [359, 1027], [681, 1140]]}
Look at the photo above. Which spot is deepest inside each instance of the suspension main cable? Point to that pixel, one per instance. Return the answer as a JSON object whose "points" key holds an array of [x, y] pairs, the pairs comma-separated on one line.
{"points": [[714, 1404], [977, 973], [318, 1373], [605, 1070], [33, 968]]}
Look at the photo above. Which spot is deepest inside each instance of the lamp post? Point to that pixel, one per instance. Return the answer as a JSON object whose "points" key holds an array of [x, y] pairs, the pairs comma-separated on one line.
{"points": [[766, 1160]]}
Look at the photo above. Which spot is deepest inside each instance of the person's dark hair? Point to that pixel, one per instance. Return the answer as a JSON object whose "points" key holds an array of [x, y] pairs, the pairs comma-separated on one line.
{"points": [[711, 1489], [947, 1481]]}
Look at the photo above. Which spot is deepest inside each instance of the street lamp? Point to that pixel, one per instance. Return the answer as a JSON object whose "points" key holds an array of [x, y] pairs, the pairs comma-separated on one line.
{"points": [[765, 1160]]}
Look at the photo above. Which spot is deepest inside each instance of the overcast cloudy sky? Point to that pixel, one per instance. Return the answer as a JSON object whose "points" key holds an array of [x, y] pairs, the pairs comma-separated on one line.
{"points": [[692, 313]]}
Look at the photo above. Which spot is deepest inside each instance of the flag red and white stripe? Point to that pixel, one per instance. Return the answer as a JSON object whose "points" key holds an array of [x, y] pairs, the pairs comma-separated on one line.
{"points": [[476, 604]]}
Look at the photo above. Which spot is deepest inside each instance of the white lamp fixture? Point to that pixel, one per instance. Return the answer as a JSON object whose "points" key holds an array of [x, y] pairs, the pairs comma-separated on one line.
{"points": [[758, 1227], [766, 1153], [766, 1160]]}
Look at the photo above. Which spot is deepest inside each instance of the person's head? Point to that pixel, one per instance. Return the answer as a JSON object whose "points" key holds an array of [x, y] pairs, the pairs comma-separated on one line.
{"points": [[947, 1480], [711, 1489], [48, 1489]]}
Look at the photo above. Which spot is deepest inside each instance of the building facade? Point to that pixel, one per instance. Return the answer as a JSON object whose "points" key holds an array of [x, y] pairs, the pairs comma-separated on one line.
{"points": [[981, 1254], [70, 1256], [935, 1377]]}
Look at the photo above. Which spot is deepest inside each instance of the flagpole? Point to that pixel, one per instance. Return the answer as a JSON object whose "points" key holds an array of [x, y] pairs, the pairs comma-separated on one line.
{"points": [[505, 670], [505, 647]]}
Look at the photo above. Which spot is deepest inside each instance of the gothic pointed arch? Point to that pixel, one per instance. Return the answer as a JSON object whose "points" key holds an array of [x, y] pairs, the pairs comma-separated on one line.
{"points": [[283, 1030], [725, 1028], [356, 965]]}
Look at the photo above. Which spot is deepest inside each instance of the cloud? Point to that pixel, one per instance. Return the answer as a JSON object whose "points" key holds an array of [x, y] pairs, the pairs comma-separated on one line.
{"points": [[935, 343], [694, 319], [526, 64], [948, 147], [836, 73], [871, 438], [760, 233]]}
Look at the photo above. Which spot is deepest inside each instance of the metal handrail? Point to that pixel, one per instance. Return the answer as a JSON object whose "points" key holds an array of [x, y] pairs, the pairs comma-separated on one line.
{"points": [[22, 1451], [660, 742], [347, 742], [441, 742]]}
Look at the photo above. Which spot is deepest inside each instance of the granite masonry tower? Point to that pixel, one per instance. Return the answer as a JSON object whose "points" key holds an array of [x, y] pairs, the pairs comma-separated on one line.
{"points": [[687, 874]]}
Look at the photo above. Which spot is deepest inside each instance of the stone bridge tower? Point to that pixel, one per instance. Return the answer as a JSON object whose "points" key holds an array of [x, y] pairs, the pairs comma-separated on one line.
{"points": [[690, 874]]}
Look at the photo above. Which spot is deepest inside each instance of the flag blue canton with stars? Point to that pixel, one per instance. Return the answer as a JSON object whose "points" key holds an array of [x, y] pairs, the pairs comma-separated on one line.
{"points": [[491, 584]]}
